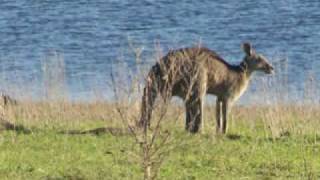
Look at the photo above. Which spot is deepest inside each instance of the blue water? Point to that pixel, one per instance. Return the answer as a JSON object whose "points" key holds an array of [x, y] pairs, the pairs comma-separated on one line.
{"points": [[91, 35]]}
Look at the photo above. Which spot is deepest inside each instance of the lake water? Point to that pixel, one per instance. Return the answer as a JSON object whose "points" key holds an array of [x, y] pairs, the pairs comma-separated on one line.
{"points": [[91, 35]]}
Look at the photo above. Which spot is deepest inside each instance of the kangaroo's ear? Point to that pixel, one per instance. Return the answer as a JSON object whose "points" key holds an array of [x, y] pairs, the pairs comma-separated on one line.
{"points": [[247, 48]]}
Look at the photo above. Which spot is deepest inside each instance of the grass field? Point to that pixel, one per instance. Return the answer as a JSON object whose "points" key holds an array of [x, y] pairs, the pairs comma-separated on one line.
{"points": [[275, 136], [262, 143], [48, 155]]}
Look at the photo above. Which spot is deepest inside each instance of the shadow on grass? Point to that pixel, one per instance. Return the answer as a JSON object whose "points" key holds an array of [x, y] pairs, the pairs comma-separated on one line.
{"points": [[69, 177], [233, 136], [99, 131], [8, 126]]}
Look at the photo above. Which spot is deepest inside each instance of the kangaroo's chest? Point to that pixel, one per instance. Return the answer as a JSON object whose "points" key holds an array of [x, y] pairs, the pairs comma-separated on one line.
{"points": [[237, 91], [229, 89]]}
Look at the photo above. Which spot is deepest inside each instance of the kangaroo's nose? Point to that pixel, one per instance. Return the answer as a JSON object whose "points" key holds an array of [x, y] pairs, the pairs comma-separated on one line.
{"points": [[271, 67]]}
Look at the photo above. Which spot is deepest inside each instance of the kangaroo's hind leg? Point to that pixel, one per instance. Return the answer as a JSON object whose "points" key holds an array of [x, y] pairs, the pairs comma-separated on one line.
{"points": [[193, 115], [194, 110]]}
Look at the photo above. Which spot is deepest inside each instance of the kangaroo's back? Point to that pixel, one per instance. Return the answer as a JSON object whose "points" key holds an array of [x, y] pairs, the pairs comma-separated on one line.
{"points": [[190, 58]]}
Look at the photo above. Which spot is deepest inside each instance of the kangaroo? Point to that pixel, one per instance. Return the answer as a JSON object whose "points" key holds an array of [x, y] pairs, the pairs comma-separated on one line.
{"points": [[191, 73]]}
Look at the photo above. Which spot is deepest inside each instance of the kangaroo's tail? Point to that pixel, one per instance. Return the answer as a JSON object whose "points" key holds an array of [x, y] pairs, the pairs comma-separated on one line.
{"points": [[150, 93]]}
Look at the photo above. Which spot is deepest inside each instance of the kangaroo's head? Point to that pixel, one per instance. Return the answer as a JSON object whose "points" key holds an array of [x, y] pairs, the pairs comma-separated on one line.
{"points": [[254, 61]]}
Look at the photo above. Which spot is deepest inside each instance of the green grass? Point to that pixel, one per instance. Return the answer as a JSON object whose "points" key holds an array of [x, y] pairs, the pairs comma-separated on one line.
{"points": [[46, 154]]}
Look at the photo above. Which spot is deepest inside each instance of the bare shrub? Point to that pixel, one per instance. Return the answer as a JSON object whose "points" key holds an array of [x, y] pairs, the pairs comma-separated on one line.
{"points": [[155, 142]]}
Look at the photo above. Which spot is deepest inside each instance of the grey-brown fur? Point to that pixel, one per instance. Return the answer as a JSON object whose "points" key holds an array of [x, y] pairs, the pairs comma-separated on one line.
{"points": [[191, 73]]}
